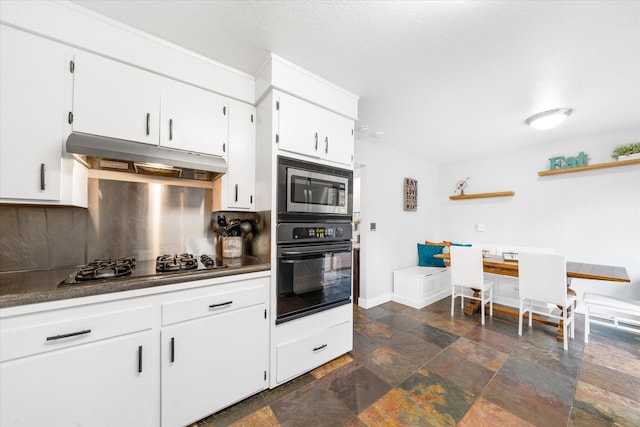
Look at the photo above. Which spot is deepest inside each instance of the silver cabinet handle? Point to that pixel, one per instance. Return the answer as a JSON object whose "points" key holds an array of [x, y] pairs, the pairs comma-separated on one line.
{"points": [[170, 129], [316, 137], [139, 359], [148, 119], [326, 144]]}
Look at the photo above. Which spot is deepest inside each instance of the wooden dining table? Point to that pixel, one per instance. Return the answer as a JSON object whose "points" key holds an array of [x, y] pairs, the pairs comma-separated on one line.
{"points": [[495, 264]]}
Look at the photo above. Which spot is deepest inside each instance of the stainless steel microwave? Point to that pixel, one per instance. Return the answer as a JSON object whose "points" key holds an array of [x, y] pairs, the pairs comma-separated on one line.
{"points": [[313, 192]]}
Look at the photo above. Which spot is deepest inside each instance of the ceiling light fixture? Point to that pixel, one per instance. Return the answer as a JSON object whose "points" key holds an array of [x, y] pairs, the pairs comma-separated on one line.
{"points": [[364, 128], [548, 119], [378, 134]]}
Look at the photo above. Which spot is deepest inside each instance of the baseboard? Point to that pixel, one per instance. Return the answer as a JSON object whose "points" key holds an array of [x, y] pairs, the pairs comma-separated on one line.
{"points": [[420, 303], [372, 302]]}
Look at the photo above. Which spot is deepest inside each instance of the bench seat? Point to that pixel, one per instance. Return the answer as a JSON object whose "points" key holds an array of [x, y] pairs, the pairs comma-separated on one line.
{"points": [[418, 287], [609, 311]]}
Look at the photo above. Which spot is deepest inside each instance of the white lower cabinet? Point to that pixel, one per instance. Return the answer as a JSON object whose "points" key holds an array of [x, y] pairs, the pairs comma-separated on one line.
{"points": [[166, 357], [296, 357], [214, 350], [93, 370], [212, 362]]}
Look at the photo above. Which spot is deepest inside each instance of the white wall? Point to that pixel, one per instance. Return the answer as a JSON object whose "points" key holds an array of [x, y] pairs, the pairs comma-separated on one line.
{"points": [[591, 216], [393, 245]]}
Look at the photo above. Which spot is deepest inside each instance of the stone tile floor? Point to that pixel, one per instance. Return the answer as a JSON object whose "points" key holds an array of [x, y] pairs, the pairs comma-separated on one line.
{"points": [[423, 367]]}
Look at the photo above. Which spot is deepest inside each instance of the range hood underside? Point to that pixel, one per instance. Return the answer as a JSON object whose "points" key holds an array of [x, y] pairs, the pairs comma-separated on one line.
{"points": [[119, 149]]}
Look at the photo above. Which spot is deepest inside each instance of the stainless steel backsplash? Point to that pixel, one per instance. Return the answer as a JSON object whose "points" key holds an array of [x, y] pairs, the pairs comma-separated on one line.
{"points": [[36, 237], [147, 220], [123, 219]]}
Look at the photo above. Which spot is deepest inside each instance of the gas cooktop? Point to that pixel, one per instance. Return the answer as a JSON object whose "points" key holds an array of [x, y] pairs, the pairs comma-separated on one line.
{"points": [[115, 268]]}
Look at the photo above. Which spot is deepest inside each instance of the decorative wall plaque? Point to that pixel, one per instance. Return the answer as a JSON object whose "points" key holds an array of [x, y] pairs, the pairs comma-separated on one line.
{"points": [[410, 194]]}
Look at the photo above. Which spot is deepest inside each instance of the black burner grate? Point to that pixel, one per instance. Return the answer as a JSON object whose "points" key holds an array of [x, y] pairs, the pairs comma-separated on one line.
{"points": [[106, 268], [167, 263]]}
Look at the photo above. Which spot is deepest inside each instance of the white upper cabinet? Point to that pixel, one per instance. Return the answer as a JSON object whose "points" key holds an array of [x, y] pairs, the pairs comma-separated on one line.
{"points": [[298, 126], [236, 189], [306, 129], [193, 119], [120, 101], [116, 100], [338, 144], [32, 82]]}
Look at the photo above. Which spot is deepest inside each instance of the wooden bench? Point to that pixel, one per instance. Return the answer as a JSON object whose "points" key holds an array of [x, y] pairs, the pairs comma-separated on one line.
{"points": [[610, 312]]}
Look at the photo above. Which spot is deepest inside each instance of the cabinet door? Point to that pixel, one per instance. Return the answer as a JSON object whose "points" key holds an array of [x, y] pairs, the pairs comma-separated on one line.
{"points": [[105, 383], [212, 362], [337, 143], [193, 119], [114, 99], [32, 75], [241, 176], [298, 126]]}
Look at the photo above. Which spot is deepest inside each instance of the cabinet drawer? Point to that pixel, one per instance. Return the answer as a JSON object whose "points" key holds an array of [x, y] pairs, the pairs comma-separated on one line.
{"points": [[213, 303], [35, 333], [297, 357]]}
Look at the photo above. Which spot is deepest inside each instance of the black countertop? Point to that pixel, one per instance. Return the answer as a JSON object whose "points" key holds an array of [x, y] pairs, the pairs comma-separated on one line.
{"points": [[31, 287]]}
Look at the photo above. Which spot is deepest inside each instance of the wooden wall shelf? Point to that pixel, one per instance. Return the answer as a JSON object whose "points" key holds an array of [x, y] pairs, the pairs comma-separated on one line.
{"points": [[591, 167], [483, 195]]}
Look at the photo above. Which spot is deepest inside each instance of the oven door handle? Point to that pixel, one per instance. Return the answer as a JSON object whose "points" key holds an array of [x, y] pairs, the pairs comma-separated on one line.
{"points": [[317, 250]]}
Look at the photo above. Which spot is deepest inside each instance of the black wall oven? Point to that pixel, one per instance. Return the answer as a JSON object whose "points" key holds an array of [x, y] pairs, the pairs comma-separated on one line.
{"points": [[313, 237], [314, 268], [311, 192]]}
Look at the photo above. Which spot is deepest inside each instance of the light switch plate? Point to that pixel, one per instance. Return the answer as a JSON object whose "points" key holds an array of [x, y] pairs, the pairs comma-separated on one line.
{"points": [[479, 227]]}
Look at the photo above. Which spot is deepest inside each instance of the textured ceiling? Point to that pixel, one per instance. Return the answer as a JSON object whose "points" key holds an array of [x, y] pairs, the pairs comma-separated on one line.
{"points": [[441, 79]]}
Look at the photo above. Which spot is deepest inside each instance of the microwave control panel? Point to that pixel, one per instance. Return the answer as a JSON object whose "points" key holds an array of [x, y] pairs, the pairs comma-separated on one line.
{"points": [[318, 233]]}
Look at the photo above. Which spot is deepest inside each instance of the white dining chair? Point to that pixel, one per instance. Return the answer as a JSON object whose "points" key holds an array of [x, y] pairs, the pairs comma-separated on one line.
{"points": [[467, 275], [543, 278]]}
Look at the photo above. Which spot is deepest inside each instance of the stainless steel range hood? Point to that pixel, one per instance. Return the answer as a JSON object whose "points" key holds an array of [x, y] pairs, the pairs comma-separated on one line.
{"points": [[120, 149]]}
